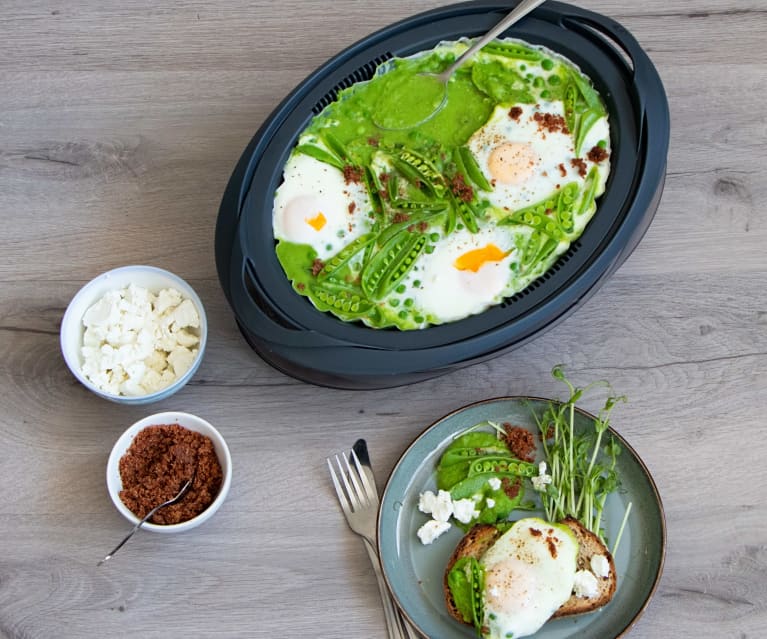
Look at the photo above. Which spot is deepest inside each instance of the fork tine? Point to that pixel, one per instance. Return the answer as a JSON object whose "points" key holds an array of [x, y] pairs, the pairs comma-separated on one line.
{"points": [[354, 476], [370, 492], [351, 492], [339, 491]]}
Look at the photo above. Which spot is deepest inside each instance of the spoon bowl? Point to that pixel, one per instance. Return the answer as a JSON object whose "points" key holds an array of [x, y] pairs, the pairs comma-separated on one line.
{"points": [[425, 94]]}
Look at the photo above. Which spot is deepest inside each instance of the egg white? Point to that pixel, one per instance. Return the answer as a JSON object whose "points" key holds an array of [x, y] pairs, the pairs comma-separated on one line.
{"points": [[311, 187], [447, 293], [529, 573], [548, 150]]}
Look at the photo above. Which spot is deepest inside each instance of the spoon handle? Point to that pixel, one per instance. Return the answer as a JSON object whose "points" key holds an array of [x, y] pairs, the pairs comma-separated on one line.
{"points": [[130, 534], [519, 12], [172, 500]]}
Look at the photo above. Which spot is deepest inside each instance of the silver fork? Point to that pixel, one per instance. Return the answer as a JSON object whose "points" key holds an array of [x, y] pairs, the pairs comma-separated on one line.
{"points": [[358, 497], [361, 449]]}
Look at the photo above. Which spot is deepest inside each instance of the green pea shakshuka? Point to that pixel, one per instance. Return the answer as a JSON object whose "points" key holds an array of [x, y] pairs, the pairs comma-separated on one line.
{"points": [[405, 227]]}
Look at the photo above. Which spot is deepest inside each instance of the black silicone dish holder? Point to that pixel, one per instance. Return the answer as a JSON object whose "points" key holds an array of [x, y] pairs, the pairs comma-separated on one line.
{"points": [[287, 331]]}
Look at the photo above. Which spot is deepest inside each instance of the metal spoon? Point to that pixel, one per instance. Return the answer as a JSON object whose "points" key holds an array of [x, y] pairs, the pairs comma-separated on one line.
{"points": [[184, 489], [439, 81]]}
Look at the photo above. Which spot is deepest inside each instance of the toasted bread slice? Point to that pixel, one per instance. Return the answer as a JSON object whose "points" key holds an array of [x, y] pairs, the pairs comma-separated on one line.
{"points": [[479, 539], [588, 546], [473, 544]]}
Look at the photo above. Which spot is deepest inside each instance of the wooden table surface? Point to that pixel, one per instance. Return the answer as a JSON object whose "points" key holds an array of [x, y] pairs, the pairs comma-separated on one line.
{"points": [[119, 126]]}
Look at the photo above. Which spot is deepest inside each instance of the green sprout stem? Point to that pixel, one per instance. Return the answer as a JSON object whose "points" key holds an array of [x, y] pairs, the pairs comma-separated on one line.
{"points": [[620, 530], [581, 477]]}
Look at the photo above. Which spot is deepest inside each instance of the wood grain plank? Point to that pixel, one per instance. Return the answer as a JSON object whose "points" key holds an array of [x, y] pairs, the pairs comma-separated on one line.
{"points": [[119, 127]]}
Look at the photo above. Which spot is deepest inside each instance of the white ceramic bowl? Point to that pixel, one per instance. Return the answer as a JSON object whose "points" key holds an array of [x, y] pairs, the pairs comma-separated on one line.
{"points": [[192, 422], [148, 277]]}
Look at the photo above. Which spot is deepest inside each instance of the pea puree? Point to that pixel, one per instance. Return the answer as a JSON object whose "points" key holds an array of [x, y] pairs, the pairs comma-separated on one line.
{"points": [[402, 96], [423, 182]]}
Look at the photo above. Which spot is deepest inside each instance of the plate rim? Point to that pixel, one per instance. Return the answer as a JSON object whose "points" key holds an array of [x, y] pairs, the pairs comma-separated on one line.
{"points": [[522, 398]]}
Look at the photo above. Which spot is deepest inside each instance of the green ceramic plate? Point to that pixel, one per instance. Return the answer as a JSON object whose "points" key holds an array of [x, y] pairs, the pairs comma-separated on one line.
{"points": [[414, 572]]}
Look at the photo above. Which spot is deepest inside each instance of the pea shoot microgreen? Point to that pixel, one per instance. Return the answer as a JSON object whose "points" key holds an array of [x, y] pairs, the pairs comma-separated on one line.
{"points": [[582, 469]]}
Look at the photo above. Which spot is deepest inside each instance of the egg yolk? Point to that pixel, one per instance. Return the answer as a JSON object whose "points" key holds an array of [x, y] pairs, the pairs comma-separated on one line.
{"points": [[317, 222], [477, 258], [512, 162]]}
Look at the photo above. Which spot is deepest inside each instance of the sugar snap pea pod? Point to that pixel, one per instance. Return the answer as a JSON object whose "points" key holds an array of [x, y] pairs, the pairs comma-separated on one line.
{"points": [[537, 251], [320, 154], [370, 248], [341, 299], [419, 170], [332, 143], [467, 213], [545, 250], [539, 216], [471, 445], [392, 188], [401, 266], [566, 201], [391, 263], [374, 194], [413, 175], [427, 170], [430, 216], [509, 465], [590, 189], [472, 170], [451, 220], [587, 120], [533, 246], [588, 92], [477, 590], [516, 51], [344, 255], [470, 453], [459, 165], [571, 107], [413, 205]]}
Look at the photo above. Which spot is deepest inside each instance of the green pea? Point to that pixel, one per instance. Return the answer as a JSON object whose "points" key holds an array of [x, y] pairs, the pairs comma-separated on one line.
{"points": [[394, 302], [409, 302], [400, 289], [547, 64], [555, 80], [434, 237]]}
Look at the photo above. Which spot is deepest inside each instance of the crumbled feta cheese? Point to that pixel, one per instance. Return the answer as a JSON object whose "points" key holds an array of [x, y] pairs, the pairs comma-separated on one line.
{"points": [[495, 483], [136, 343], [490, 502], [540, 482], [464, 510], [440, 506], [600, 566], [585, 585], [431, 530]]}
